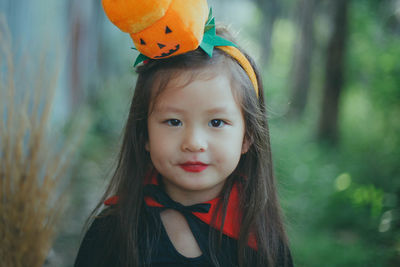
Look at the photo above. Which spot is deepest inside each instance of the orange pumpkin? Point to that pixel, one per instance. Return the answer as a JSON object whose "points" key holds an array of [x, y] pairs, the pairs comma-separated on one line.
{"points": [[160, 28]]}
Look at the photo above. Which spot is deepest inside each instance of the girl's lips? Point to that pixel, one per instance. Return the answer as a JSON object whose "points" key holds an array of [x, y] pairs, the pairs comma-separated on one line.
{"points": [[193, 166]]}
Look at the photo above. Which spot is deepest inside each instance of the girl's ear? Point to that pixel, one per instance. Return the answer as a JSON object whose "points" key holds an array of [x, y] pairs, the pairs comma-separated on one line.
{"points": [[146, 146], [246, 145]]}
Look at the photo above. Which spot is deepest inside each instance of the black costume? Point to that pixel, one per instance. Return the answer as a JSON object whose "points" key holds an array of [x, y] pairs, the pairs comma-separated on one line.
{"points": [[95, 249]]}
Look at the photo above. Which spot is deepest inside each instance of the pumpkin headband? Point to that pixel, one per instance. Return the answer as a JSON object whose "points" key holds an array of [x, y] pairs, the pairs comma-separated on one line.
{"points": [[166, 28]]}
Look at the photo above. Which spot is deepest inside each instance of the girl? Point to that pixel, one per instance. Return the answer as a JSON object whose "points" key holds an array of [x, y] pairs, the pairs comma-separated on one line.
{"points": [[194, 184]]}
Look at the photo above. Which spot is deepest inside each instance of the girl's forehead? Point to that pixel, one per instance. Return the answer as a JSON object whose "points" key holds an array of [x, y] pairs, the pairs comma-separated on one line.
{"points": [[176, 79], [183, 78], [182, 83], [204, 93]]}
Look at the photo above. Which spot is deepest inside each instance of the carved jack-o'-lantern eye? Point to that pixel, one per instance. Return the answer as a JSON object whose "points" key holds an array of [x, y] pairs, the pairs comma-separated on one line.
{"points": [[167, 30], [142, 42]]}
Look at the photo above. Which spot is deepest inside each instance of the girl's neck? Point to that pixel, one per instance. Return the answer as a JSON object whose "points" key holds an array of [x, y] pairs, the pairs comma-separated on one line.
{"points": [[188, 198]]}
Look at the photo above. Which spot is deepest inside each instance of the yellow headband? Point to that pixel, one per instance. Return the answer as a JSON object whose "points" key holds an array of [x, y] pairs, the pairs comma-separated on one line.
{"points": [[244, 63]]}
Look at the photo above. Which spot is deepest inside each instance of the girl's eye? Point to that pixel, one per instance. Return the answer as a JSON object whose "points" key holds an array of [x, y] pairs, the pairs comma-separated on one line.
{"points": [[174, 122], [216, 123]]}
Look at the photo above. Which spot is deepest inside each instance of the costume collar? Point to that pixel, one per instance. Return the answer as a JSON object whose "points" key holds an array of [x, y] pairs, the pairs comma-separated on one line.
{"points": [[156, 197]]}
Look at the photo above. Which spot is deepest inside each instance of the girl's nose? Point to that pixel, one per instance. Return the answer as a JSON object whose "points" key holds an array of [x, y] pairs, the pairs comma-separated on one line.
{"points": [[194, 141]]}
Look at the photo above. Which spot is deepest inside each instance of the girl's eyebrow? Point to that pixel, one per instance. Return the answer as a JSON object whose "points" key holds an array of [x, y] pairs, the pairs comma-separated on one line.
{"points": [[178, 110], [218, 110], [169, 109]]}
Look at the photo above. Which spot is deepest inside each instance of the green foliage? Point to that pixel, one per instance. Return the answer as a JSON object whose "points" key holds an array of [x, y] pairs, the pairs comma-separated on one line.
{"points": [[342, 203], [333, 213]]}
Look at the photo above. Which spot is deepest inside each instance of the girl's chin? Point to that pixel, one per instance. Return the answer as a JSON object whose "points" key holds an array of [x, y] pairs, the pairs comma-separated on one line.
{"points": [[194, 186]]}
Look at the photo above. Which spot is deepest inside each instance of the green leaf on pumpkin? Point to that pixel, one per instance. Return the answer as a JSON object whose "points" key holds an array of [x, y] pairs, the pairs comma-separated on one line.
{"points": [[209, 16], [210, 38], [140, 58]]}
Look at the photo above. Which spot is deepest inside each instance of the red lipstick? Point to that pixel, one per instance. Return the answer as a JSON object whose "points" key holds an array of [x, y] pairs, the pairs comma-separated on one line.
{"points": [[193, 166]]}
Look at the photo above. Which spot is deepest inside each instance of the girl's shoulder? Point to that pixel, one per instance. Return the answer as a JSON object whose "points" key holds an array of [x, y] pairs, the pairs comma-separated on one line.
{"points": [[97, 247], [102, 225]]}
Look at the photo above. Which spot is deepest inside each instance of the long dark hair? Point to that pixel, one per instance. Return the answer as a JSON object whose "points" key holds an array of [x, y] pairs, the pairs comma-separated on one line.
{"points": [[258, 198]]}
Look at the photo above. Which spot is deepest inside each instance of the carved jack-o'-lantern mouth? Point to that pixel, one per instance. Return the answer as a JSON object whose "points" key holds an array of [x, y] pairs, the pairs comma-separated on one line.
{"points": [[170, 52]]}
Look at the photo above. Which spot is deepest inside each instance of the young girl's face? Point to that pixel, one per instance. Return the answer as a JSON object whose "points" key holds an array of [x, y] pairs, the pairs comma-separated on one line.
{"points": [[196, 137]]}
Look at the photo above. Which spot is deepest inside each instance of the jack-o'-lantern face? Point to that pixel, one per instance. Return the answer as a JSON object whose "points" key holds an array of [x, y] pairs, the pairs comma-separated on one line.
{"points": [[160, 28], [167, 37]]}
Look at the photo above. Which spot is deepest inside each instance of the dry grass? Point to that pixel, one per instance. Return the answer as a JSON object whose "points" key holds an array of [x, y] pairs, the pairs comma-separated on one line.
{"points": [[32, 191]]}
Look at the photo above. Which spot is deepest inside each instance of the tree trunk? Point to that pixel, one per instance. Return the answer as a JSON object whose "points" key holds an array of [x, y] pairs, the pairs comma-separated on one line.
{"points": [[84, 19], [328, 122], [270, 11], [301, 68]]}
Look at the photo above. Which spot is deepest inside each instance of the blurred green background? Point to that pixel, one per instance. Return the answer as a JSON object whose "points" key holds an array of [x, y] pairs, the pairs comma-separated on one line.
{"points": [[332, 78]]}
